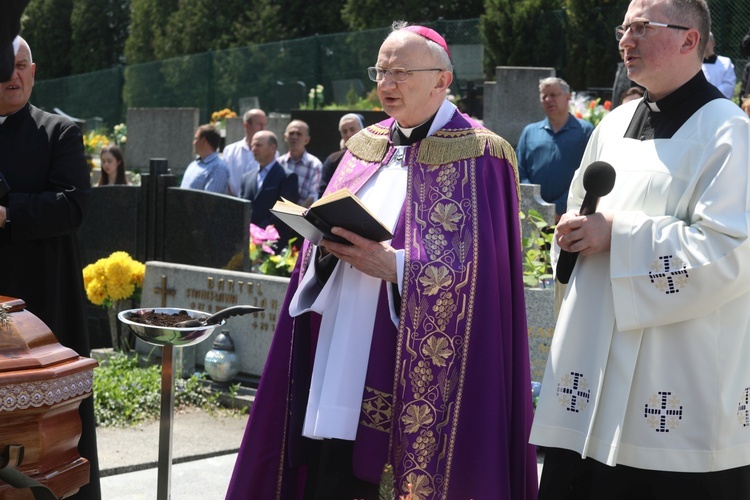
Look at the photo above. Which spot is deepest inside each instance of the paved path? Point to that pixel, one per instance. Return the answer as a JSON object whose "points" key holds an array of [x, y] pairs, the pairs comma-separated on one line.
{"points": [[204, 450]]}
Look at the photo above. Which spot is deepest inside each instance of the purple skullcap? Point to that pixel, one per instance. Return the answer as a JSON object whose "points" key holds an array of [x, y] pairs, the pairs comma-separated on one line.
{"points": [[430, 34]]}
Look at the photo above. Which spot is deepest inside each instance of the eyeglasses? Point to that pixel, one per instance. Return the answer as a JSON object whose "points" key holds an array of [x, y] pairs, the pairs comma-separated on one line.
{"points": [[398, 75], [638, 28]]}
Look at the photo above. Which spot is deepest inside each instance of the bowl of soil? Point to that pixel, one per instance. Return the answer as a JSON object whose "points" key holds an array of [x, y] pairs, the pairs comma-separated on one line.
{"points": [[157, 326]]}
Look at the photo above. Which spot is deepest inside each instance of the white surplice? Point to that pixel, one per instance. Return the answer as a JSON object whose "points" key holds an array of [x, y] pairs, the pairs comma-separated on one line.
{"points": [[650, 361], [348, 304]]}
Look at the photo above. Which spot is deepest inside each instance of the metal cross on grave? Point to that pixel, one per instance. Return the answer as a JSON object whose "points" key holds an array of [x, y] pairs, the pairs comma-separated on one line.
{"points": [[164, 291], [669, 280]]}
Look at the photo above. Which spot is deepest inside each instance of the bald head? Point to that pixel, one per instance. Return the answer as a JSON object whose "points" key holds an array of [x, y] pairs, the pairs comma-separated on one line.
{"points": [[263, 146], [254, 121], [15, 93]]}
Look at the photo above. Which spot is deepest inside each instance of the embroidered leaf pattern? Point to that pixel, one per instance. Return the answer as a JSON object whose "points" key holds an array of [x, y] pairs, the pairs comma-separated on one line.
{"points": [[447, 215], [435, 278], [437, 350], [420, 485], [417, 416]]}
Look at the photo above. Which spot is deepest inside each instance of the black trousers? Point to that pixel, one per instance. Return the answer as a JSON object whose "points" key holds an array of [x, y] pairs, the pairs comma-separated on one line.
{"points": [[330, 476], [566, 476]]}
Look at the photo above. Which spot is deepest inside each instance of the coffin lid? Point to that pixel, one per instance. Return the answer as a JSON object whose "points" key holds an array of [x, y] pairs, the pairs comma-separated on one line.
{"points": [[27, 343]]}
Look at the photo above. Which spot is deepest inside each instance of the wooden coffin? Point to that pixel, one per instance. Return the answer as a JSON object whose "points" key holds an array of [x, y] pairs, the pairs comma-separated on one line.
{"points": [[42, 384]]}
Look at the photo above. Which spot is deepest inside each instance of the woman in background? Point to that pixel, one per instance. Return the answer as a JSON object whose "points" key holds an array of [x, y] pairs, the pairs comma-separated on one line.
{"points": [[113, 166]]}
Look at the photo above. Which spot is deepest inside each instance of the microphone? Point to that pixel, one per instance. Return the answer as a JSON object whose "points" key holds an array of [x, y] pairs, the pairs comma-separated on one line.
{"points": [[598, 181]]}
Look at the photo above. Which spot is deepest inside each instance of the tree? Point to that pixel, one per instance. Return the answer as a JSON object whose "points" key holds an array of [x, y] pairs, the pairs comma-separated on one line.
{"points": [[310, 18], [260, 25], [46, 27], [99, 31], [365, 14], [148, 19], [523, 33], [592, 54]]}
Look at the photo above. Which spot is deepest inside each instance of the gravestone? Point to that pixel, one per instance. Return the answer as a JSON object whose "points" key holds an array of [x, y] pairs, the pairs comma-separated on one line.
{"points": [[467, 61], [540, 302], [540, 322], [512, 101], [110, 224], [277, 123], [161, 133], [211, 290], [342, 89], [325, 137], [206, 229], [112, 212], [531, 199], [235, 130], [248, 103]]}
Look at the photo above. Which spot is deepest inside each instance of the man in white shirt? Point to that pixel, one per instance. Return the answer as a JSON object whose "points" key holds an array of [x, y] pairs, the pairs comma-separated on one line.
{"points": [[719, 70], [238, 156]]}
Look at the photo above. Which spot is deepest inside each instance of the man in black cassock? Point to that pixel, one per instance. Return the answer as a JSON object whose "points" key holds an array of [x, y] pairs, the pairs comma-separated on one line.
{"points": [[42, 160]]}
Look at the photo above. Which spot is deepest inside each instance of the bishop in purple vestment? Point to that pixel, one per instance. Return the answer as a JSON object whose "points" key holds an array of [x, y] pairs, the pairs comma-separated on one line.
{"points": [[446, 393]]}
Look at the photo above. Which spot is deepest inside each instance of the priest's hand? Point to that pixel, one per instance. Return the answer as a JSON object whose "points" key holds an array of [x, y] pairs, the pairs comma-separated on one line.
{"points": [[586, 234], [3, 215], [370, 257]]}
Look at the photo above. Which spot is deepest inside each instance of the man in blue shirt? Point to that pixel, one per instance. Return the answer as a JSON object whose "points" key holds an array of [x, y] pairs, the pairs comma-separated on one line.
{"points": [[208, 172], [550, 151]]}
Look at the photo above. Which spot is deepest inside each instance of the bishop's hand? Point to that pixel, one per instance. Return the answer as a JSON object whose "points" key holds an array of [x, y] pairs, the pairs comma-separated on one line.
{"points": [[370, 257]]}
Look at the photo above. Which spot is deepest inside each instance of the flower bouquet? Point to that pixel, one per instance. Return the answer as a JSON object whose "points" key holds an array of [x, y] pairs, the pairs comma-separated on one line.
{"points": [[111, 282], [264, 259], [581, 106]]}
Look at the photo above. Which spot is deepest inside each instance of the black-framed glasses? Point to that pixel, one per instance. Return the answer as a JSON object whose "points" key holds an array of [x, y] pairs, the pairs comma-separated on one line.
{"points": [[398, 75], [638, 28]]}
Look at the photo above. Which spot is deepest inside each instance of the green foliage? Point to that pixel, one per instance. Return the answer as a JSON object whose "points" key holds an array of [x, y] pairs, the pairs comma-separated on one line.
{"points": [[523, 33], [99, 30], [537, 264], [125, 394], [592, 52], [147, 29], [46, 26], [366, 14]]}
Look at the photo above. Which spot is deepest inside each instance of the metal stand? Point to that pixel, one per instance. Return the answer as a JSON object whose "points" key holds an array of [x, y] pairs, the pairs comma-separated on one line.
{"points": [[164, 482]]}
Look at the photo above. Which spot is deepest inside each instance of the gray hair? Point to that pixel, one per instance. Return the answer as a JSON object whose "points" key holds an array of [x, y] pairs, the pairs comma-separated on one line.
{"points": [[553, 80], [352, 116]]}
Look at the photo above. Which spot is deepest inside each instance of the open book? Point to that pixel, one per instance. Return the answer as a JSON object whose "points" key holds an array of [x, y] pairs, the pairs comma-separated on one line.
{"points": [[339, 209]]}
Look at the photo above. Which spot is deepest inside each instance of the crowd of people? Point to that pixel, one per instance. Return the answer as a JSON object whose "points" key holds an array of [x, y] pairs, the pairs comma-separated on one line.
{"points": [[413, 352]]}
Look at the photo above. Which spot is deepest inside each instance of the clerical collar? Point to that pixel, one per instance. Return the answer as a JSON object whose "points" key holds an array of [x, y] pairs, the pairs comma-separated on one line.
{"points": [[5, 117], [661, 119], [402, 136]]}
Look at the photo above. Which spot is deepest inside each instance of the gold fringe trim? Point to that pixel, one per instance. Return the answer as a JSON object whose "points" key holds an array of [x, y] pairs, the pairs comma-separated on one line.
{"points": [[371, 144], [450, 146], [441, 148]]}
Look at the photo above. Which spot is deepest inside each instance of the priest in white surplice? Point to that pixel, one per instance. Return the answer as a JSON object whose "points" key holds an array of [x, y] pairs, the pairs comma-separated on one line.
{"points": [[647, 388]]}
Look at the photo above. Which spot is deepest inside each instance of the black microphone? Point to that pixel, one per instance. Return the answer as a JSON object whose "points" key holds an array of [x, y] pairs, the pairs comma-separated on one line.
{"points": [[598, 181]]}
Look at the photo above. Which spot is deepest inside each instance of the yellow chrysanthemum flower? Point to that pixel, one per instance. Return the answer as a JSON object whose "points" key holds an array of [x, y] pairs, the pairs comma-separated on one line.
{"points": [[118, 277]]}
